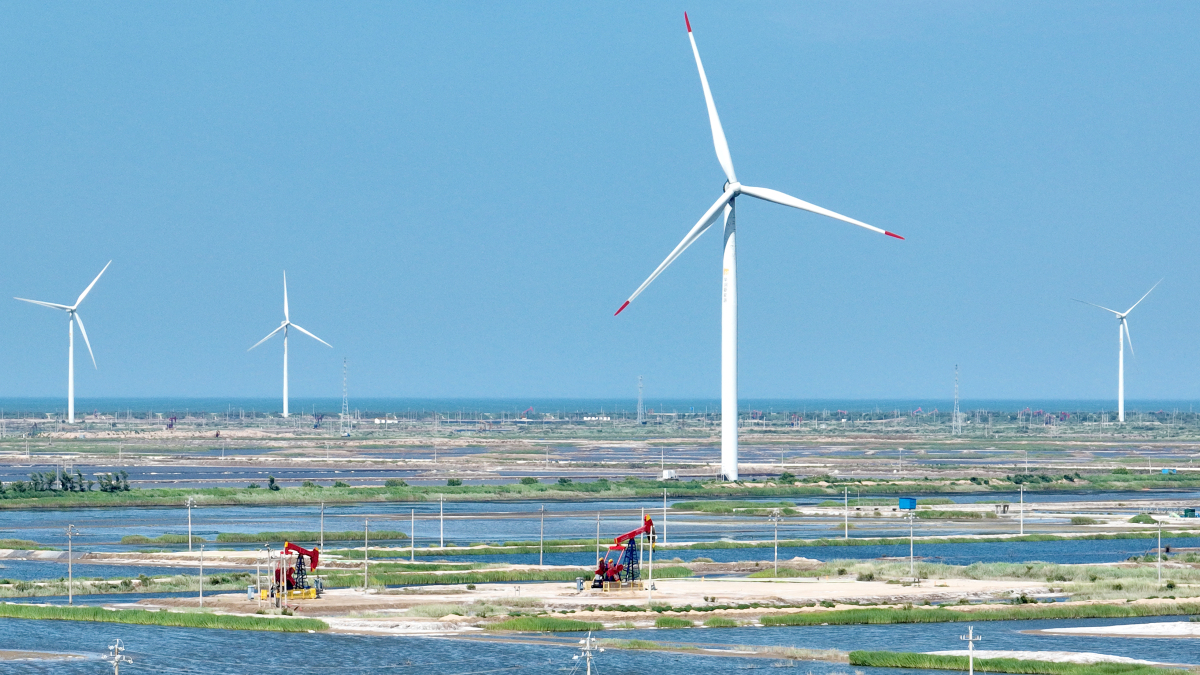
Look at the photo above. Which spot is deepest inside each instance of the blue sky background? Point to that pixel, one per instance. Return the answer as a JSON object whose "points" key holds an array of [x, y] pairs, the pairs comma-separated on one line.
{"points": [[462, 194]]}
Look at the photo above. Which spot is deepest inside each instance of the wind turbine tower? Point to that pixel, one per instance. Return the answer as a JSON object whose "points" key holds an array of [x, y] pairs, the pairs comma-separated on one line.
{"points": [[73, 318], [284, 326], [641, 412], [725, 206], [1122, 334], [956, 423]]}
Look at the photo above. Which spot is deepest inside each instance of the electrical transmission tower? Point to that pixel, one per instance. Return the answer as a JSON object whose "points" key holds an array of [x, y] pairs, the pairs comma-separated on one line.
{"points": [[956, 423], [345, 416], [641, 411]]}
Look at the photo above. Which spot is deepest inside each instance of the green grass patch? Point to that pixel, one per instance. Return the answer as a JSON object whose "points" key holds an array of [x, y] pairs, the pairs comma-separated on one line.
{"points": [[934, 514], [23, 545], [304, 536], [732, 506], [385, 578], [544, 624], [146, 618], [1143, 519], [943, 662], [720, 622], [1084, 520], [672, 622], [138, 539], [1011, 613]]}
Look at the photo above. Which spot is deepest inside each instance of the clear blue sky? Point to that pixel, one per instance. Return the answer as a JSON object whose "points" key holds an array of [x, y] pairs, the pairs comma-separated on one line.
{"points": [[462, 194]]}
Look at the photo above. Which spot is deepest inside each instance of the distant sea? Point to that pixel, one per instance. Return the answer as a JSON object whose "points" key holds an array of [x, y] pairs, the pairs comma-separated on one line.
{"points": [[379, 406]]}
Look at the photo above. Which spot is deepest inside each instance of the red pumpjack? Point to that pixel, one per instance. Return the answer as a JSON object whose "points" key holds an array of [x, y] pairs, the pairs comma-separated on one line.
{"points": [[297, 576], [624, 565]]}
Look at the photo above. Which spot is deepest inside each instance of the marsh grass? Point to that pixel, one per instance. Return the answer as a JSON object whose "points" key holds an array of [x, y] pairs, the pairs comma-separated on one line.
{"points": [[301, 535], [544, 624], [148, 618], [845, 617], [23, 545], [943, 662], [221, 581], [1081, 582], [672, 622], [351, 579], [139, 539], [720, 622]]}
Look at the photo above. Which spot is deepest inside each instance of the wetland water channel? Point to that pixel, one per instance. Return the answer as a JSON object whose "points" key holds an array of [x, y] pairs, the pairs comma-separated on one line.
{"points": [[185, 650]]}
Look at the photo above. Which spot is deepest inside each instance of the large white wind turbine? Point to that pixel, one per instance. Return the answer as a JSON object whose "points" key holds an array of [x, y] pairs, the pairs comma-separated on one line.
{"points": [[725, 204], [284, 326], [1122, 334], [73, 314]]}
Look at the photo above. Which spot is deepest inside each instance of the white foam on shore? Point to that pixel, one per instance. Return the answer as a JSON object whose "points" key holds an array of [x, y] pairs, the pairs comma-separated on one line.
{"points": [[1056, 657], [1175, 629]]}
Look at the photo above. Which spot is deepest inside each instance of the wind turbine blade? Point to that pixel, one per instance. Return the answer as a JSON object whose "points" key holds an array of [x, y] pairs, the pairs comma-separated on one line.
{"points": [[285, 306], [767, 194], [709, 217], [52, 305], [1125, 325], [312, 336], [1143, 298], [268, 336], [83, 332], [715, 122], [89, 288], [1095, 305]]}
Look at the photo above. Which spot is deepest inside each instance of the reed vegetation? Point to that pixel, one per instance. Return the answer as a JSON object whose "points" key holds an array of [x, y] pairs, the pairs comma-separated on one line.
{"points": [[384, 578], [845, 617], [305, 536], [672, 622], [544, 624], [149, 618], [959, 663]]}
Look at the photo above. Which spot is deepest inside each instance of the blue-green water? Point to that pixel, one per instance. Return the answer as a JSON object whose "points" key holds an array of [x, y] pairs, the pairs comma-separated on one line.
{"points": [[180, 650]]}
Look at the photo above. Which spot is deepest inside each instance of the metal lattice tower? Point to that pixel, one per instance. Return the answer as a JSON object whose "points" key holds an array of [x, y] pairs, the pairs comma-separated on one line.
{"points": [[641, 411], [956, 424], [344, 429]]}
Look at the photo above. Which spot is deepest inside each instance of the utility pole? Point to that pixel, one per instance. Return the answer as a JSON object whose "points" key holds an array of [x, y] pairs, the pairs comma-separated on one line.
{"points": [[971, 639], [664, 532], [1160, 552], [441, 521], [117, 658], [344, 418], [846, 512], [542, 537], [71, 531], [201, 576], [912, 568], [366, 552], [641, 409], [191, 501], [1022, 508], [775, 518], [956, 423], [590, 644]]}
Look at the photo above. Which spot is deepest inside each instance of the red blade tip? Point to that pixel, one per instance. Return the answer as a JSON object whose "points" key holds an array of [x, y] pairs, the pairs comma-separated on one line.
{"points": [[622, 308], [893, 234], [689, 23]]}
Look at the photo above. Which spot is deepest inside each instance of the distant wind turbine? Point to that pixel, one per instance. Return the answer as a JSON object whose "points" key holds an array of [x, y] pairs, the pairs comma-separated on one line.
{"points": [[73, 314], [284, 326], [1122, 334], [725, 204]]}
